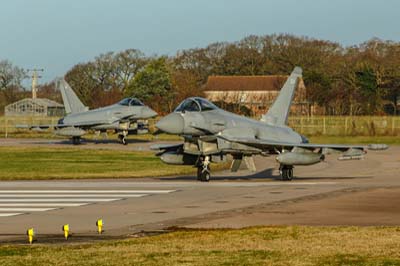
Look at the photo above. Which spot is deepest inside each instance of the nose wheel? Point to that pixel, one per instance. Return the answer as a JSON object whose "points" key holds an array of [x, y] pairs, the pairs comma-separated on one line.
{"points": [[122, 137], [286, 172], [203, 170]]}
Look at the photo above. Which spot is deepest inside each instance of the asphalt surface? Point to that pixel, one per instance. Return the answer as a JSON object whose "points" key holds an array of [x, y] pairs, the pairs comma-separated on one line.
{"points": [[362, 192]]}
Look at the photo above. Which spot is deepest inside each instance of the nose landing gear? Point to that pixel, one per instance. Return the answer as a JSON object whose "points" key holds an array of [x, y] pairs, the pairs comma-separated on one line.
{"points": [[122, 137], [203, 169]]}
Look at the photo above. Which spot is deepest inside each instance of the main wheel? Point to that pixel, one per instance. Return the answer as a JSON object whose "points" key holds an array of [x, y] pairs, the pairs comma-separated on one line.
{"points": [[76, 140], [286, 173]]}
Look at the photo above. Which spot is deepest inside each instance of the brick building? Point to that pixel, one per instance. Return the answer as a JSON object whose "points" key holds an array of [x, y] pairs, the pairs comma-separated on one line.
{"points": [[255, 92]]}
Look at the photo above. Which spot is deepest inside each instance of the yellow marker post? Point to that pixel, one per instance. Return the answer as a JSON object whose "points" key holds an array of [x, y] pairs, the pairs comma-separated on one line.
{"points": [[65, 228], [99, 225], [30, 233]]}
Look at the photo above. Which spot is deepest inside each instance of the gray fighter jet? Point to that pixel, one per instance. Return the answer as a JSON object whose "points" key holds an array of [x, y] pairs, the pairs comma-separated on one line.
{"points": [[211, 133], [122, 117]]}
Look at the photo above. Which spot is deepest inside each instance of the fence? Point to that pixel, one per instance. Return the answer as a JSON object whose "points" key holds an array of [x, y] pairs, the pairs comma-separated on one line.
{"points": [[346, 125], [9, 125], [309, 126]]}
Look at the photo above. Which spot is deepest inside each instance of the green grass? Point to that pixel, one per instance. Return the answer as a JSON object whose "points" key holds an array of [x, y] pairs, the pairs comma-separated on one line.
{"points": [[60, 163], [292, 245]]}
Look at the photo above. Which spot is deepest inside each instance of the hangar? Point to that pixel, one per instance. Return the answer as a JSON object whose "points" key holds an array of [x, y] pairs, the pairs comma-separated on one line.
{"points": [[35, 107]]}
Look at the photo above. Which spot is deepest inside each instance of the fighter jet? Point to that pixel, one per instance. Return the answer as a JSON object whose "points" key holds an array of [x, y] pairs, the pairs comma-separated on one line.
{"points": [[210, 134], [122, 117]]}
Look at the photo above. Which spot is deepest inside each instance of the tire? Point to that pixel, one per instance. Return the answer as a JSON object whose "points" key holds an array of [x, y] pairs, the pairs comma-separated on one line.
{"points": [[205, 176], [75, 140], [199, 171], [283, 174], [287, 173], [290, 174]]}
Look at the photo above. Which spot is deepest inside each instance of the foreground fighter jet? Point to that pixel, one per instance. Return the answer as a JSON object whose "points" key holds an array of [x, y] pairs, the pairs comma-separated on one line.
{"points": [[122, 117], [211, 133]]}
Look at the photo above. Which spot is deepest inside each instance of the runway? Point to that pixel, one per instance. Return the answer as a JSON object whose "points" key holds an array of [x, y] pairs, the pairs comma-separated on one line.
{"points": [[17, 202], [363, 192]]}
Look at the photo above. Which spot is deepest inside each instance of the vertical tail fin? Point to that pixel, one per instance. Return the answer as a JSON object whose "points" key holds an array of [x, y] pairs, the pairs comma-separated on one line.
{"points": [[72, 103], [279, 111]]}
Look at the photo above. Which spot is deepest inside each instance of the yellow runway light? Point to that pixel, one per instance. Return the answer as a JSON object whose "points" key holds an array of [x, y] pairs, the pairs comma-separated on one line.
{"points": [[30, 233], [99, 225], [65, 228]]}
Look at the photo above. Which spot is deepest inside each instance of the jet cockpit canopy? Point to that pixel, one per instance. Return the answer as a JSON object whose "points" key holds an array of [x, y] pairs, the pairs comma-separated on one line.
{"points": [[196, 104], [131, 102]]}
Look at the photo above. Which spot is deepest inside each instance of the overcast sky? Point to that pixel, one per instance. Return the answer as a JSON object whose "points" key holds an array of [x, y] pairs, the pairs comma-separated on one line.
{"points": [[57, 34]]}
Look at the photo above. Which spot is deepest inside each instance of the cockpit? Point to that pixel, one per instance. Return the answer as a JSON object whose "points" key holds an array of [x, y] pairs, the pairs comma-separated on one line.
{"points": [[130, 102], [195, 104]]}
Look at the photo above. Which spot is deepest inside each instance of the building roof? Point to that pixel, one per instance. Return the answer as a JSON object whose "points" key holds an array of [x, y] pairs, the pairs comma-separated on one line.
{"points": [[245, 83]]}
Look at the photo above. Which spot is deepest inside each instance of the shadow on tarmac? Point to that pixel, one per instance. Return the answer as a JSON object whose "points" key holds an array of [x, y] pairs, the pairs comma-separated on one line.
{"points": [[267, 174]]}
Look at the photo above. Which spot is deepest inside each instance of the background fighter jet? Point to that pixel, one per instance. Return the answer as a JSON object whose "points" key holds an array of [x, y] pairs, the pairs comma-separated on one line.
{"points": [[211, 133], [122, 117]]}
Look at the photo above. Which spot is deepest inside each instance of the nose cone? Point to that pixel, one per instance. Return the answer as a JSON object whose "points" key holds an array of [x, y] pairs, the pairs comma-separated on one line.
{"points": [[172, 124], [147, 112]]}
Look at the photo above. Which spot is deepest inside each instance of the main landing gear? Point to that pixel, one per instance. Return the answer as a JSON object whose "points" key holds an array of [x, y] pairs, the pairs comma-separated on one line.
{"points": [[286, 172], [76, 140], [102, 133], [203, 169]]}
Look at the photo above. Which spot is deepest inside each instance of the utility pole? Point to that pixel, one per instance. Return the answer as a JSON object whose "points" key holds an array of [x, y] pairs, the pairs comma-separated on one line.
{"points": [[35, 76]]}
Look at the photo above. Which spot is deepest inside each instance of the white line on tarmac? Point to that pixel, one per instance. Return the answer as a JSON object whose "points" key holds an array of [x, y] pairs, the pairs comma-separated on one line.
{"points": [[9, 214], [42, 204], [83, 200], [26, 209], [70, 195], [88, 191]]}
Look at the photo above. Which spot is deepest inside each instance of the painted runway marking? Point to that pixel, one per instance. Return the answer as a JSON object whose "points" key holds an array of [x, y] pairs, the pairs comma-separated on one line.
{"points": [[9, 214], [42, 204], [26, 209], [87, 191], [16, 202], [82, 200], [71, 195]]}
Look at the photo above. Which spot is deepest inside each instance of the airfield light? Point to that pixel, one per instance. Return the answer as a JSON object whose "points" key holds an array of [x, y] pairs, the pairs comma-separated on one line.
{"points": [[99, 225], [30, 233], [65, 228]]}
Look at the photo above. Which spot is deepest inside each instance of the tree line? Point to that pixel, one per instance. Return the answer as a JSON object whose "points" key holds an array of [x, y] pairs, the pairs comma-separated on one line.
{"points": [[362, 79]]}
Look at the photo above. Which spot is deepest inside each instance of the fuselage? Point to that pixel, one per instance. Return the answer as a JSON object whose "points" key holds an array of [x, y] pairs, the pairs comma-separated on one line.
{"points": [[213, 121], [109, 115]]}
